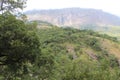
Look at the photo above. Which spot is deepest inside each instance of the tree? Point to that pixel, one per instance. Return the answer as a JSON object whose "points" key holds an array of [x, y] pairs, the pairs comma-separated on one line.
{"points": [[11, 5], [18, 45]]}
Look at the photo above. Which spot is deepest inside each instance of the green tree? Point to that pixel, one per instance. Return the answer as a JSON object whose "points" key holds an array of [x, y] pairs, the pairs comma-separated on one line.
{"points": [[18, 45]]}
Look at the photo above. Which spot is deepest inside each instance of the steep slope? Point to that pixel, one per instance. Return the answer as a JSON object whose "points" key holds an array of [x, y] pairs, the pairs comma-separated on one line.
{"points": [[74, 17], [80, 54], [74, 39]]}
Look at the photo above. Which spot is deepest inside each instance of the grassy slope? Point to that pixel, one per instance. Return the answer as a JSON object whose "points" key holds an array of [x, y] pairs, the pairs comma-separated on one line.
{"points": [[77, 51], [80, 39], [112, 31]]}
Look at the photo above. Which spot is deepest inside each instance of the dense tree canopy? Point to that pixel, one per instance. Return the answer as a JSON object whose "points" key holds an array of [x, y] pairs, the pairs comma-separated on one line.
{"points": [[18, 44]]}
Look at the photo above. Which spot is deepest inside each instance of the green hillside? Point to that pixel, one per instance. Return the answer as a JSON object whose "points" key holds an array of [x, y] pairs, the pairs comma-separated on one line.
{"points": [[48, 52], [39, 50], [112, 31], [80, 54]]}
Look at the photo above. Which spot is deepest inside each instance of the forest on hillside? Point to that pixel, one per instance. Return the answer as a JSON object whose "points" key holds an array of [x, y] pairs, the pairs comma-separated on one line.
{"points": [[28, 52]]}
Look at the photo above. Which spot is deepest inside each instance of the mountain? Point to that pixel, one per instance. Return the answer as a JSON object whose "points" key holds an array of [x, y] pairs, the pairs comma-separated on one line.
{"points": [[74, 17]]}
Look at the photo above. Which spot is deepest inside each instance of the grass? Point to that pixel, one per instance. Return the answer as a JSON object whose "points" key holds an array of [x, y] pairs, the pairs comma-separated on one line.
{"points": [[112, 31]]}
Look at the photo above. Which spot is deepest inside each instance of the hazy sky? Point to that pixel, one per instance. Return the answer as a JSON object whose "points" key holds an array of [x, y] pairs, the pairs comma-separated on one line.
{"points": [[112, 6]]}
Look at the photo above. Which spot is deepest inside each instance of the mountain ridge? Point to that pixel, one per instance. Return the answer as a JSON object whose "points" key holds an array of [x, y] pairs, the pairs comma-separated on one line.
{"points": [[74, 17]]}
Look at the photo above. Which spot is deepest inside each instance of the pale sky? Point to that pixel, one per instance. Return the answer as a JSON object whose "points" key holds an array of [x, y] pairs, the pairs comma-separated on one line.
{"points": [[111, 6]]}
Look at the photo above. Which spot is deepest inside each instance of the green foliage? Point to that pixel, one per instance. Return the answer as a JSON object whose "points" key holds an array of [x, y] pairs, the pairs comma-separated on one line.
{"points": [[70, 59], [53, 53], [18, 46], [109, 37], [94, 43]]}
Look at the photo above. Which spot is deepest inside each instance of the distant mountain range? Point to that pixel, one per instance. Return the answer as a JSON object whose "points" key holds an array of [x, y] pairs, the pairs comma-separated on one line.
{"points": [[74, 17]]}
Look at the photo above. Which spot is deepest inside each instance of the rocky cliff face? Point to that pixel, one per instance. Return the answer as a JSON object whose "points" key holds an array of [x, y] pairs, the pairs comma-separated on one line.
{"points": [[74, 17]]}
